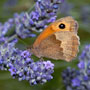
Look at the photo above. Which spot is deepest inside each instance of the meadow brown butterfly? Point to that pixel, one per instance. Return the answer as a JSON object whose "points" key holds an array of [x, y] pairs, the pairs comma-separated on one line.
{"points": [[58, 41]]}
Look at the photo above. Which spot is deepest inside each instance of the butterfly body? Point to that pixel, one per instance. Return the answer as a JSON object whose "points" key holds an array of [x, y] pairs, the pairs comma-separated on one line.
{"points": [[58, 42]]}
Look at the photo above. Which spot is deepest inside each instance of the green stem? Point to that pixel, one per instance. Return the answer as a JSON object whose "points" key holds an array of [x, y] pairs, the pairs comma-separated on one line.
{"points": [[85, 67], [12, 37], [15, 36], [31, 9]]}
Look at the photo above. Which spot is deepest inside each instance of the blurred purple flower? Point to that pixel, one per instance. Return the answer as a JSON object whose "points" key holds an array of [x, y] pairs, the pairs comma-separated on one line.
{"points": [[66, 7], [10, 3], [85, 14], [75, 82], [81, 65], [68, 75]]}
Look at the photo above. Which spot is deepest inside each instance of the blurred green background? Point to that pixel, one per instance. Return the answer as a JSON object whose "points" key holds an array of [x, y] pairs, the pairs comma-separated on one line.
{"points": [[79, 9]]}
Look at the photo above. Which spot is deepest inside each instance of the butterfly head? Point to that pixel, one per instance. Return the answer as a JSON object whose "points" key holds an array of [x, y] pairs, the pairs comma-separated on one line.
{"points": [[65, 24]]}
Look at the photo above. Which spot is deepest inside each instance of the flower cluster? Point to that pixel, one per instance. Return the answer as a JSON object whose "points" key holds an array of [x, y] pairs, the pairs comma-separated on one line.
{"points": [[5, 27], [27, 23], [21, 65], [43, 14], [5, 54], [80, 80], [68, 75]]}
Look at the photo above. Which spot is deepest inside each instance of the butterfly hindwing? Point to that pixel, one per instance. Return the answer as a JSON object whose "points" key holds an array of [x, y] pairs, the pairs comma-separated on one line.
{"points": [[70, 43]]}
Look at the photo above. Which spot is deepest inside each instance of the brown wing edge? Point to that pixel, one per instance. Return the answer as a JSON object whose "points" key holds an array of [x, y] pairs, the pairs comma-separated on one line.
{"points": [[73, 57]]}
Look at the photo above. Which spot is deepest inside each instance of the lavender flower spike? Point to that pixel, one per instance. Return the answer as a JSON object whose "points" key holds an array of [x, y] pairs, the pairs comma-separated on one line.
{"points": [[21, 65], [24, 68], [37, 20]]}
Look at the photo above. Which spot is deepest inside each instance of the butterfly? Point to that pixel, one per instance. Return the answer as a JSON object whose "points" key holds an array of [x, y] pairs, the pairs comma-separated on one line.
{"points": [[58, 41]]}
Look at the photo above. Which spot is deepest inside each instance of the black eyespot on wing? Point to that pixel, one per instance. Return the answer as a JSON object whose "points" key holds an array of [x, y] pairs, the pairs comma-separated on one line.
{"points": [[62, 26]]}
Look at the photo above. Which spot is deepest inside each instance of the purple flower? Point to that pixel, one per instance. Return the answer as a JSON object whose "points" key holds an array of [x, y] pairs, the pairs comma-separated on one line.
{"points": [[3, 39], [13, 71], [39, 73], [81, 65], [75, 82], [25, 54], [48, 65], [29, 60], [22, 23], [35, 15], [52, 19], [4, 28], [85, 78], [5, 55]]}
